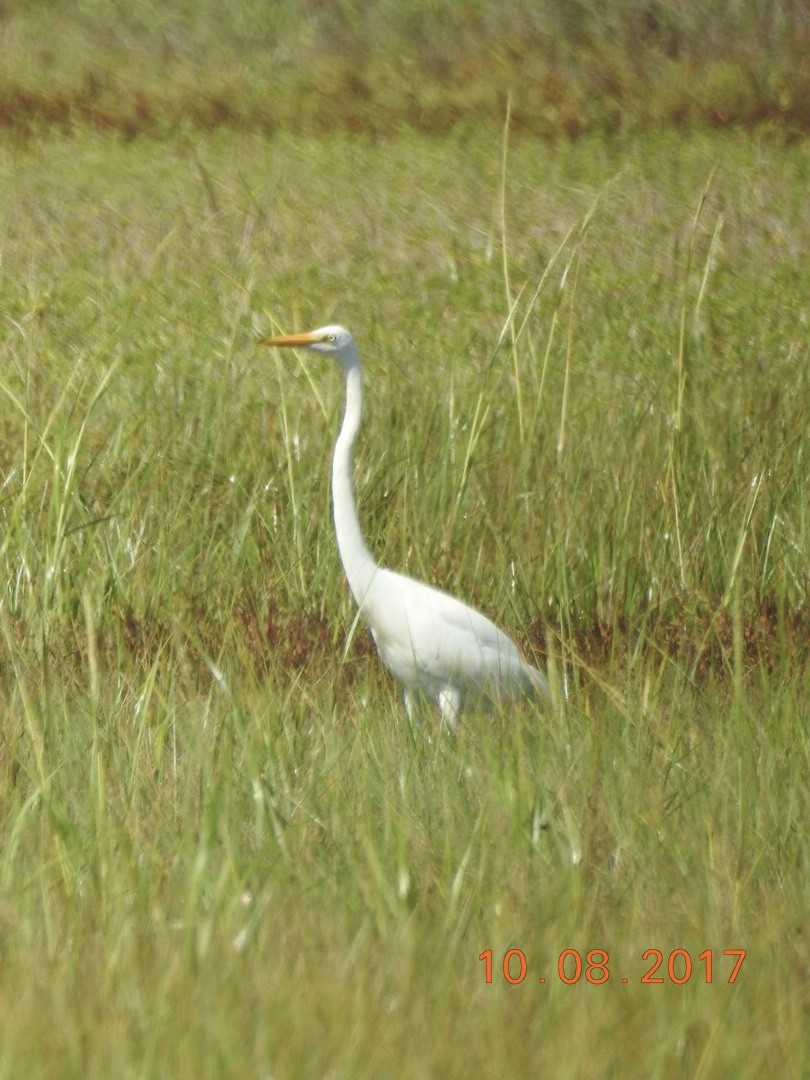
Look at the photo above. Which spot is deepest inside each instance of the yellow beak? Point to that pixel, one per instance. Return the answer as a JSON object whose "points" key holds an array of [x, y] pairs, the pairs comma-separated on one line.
{"points": [[298, 341]]}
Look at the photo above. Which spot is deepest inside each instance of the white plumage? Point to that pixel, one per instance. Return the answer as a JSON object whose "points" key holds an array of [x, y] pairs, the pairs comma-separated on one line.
{"points": [[434, 644]]}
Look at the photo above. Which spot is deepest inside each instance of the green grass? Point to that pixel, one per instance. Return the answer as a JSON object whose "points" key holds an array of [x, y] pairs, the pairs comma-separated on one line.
{"points": [[225, 852], [570, 67]]}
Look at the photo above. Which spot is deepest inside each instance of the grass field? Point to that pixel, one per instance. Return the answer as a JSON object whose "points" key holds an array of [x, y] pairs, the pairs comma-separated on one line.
{"points": [[224, 851], [572, 67]]}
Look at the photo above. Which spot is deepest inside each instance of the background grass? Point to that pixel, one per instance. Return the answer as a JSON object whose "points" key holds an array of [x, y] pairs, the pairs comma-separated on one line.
{"points": [[225, 852], [571, 66]]}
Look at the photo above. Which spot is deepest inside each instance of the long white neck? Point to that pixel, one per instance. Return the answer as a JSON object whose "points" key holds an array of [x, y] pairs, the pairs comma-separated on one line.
{"points": [[356, 558]]}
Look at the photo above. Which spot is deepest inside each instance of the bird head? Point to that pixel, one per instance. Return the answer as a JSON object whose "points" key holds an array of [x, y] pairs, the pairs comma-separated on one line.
{"points": [[334, 341]]}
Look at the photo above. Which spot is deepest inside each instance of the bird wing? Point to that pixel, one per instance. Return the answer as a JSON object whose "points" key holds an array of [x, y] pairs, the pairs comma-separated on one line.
{"points": [[431, 640]]}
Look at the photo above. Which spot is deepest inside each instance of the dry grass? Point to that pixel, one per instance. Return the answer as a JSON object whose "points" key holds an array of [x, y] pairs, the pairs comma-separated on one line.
{"points": [[570, 69]]}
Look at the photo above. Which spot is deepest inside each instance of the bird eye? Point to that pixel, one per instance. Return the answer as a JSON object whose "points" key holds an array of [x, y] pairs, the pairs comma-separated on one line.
{"points": [[331, 338]]}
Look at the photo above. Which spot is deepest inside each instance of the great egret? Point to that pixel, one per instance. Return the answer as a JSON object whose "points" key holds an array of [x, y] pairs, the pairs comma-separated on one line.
{"points": [[434, 644]]}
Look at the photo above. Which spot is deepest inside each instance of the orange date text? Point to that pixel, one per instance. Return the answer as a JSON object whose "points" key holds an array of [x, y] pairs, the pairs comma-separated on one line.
{"points": [[655, 968]]}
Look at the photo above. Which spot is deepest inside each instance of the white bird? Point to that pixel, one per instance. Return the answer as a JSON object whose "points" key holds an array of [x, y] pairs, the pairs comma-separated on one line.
{"points": [[434, 644]]}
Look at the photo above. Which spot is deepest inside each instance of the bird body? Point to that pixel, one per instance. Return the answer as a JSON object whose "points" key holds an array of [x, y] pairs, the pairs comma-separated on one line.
{"points": [[433, 643], [441, 647]]}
